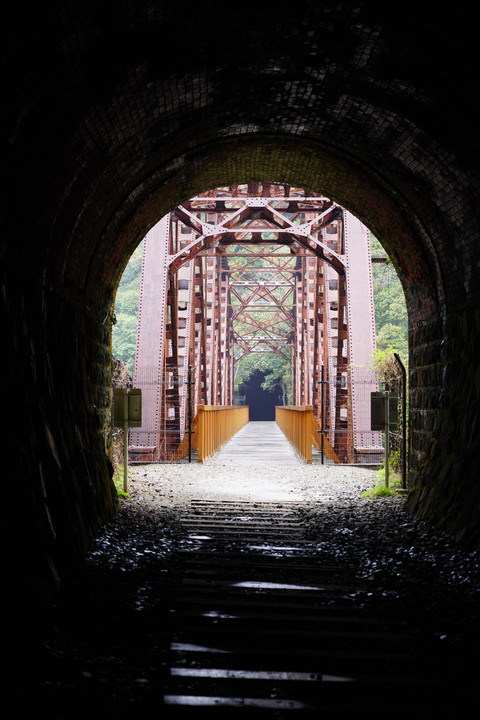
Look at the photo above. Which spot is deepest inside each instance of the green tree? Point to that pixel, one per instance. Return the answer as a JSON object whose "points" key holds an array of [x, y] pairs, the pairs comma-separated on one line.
{"points": [[124, 333], [390, 308]]}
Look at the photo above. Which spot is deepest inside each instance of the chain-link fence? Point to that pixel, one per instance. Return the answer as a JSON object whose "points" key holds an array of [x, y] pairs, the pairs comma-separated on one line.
{"points": [[168, 422], [345, 415], [167, 434]]}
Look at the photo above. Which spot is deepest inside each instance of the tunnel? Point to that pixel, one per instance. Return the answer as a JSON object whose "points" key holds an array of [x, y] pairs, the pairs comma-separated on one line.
{"points": [[114, 113], [261, 402]]}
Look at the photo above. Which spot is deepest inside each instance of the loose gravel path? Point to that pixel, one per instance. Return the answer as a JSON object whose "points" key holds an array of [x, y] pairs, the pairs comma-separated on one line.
{"points": [[168, 485]]}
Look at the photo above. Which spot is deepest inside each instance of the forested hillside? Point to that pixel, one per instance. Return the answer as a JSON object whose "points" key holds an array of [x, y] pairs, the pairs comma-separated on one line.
{"points": [[390, 318]]}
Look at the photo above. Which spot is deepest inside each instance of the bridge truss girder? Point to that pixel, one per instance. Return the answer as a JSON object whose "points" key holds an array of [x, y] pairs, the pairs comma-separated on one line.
{"points": [[250, 269]]}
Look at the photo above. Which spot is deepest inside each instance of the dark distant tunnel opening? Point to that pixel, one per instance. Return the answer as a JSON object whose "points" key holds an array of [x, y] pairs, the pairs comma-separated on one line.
{"points": [[260, 401]]}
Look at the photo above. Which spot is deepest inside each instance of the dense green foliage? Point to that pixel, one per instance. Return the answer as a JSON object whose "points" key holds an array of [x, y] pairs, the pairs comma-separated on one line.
{"points": [[390, 319], [124, 334], [390, 308]]}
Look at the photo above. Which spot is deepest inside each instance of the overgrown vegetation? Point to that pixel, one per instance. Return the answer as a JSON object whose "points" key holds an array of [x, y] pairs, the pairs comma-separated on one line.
{"points": [[380, 488], [390, 308], [118, 481], [124, 334]]}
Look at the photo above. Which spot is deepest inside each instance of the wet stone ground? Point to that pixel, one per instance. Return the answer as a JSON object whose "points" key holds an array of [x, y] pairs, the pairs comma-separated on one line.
{"points": [[109, 652]]}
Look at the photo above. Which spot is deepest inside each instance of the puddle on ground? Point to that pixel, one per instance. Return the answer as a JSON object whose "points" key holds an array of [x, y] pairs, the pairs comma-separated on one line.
{"points": [[257, 675], [275, 586]]}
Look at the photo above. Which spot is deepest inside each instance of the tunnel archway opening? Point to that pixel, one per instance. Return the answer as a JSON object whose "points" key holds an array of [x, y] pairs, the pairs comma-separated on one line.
{"points": [[261, 401], [390, 218], [393, 218]]}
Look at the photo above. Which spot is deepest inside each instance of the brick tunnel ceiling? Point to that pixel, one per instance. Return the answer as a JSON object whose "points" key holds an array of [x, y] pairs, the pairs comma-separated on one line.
{"points": [[127, 111]]}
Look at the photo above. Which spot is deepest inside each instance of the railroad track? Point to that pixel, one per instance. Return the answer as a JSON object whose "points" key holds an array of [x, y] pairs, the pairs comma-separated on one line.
{"points": [[259, 625]]}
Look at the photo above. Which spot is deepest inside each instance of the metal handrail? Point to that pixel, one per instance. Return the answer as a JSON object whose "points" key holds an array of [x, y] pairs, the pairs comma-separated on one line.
{"points": [[216, 425], [295, 421]]}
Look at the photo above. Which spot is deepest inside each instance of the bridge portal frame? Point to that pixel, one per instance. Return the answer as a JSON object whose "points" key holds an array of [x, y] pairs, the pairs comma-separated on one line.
{"points": [[190, 304]]}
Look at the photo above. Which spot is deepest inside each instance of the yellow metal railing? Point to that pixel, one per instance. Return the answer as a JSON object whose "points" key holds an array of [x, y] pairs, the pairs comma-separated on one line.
{"points": [[216, 425], [300, 426], [295, 421], [328, 450], [185, 446]]}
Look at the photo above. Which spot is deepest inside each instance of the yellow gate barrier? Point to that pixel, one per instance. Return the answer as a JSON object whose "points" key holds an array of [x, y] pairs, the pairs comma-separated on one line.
{"points": [[186, 445], [216, 425], [295, 421], [299, 425], [328, 450]]}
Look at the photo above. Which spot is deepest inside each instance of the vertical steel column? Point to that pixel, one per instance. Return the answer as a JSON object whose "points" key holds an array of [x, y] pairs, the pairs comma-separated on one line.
{"points": [[201, 332], [296, 369], [150, 346], [190, 412], [361, 332]]}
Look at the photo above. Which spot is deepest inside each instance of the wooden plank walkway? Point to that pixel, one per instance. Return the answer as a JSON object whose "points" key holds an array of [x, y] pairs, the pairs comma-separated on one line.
{"points": [[259, 443]]}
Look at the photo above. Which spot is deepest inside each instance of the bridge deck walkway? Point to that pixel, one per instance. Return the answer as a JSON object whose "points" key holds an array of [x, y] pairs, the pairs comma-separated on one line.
{"points": [[259, 442]]}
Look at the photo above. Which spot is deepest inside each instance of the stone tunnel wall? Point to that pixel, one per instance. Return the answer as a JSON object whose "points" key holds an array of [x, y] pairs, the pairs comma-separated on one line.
{"points": [[58, 490], [445, 437]]}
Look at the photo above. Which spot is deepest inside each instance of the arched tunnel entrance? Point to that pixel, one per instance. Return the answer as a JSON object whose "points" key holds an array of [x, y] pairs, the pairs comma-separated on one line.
{"points": [[261, 402], [251, 280], [346, 100]]}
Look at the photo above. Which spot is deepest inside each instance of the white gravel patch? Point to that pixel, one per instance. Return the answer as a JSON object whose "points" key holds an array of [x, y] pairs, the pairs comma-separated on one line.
{"points": [[176, 484]]}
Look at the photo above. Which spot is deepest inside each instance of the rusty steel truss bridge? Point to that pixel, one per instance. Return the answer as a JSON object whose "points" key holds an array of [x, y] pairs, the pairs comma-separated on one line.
{"points": [[256, 268]]}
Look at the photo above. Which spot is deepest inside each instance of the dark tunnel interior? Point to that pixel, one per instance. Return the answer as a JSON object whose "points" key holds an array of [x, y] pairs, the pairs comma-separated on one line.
{"points": [[261, 402]]}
